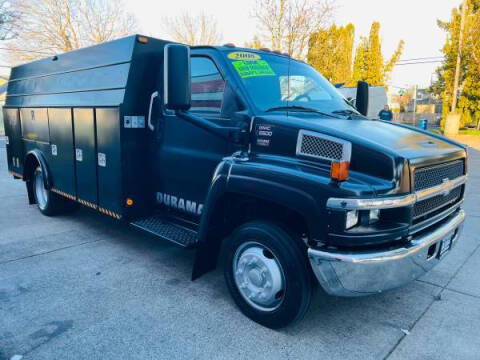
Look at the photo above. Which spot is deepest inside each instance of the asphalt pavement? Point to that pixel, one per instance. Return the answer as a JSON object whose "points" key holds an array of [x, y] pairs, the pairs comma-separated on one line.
{"points": [[84, 286]]}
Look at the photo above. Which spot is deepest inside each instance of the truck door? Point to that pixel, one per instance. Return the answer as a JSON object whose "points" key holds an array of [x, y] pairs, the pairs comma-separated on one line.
{"points": [[61, 162], [13, 131], [188, 155], [85, 156]]}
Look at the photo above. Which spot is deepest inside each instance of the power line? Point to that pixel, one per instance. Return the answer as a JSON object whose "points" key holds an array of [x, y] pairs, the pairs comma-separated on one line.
{"points": [[25, 50], [419, 62], [422, 58]]}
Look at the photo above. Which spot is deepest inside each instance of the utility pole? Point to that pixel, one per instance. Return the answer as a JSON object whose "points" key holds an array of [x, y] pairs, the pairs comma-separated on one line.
{"points": [[452, 122], [459, 57]]}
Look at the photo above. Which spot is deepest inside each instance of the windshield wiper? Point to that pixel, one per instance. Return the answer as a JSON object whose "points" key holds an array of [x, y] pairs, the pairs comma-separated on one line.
{"points": [[345, 112], [300, 108]]}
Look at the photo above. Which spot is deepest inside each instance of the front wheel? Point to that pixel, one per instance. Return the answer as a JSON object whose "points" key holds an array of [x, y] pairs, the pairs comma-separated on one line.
{"points": [[267, 274]]}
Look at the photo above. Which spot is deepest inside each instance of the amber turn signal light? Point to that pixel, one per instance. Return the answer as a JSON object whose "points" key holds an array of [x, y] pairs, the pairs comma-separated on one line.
{"points": [[339, 170], [129, 202]]}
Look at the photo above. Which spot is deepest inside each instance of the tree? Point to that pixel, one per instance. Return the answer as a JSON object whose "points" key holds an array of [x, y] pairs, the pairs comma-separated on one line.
{"points": [[359, 64], [7, 18], [374, 57], [287, 25], [330, 52], [200, 29], [369, 63], [52, 26], [468, 104], [256, 43]]}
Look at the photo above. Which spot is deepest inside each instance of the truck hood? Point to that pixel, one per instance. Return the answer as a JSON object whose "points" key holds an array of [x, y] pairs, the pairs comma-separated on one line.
{"points": [[380, 149], [395, 139]]}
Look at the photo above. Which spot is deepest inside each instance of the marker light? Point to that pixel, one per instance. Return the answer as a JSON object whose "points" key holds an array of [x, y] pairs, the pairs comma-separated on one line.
{"points": [[339, 170], [129, 202]]}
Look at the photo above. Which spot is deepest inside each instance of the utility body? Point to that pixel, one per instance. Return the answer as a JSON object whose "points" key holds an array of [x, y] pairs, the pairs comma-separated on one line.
{"points": [[244, 155]]}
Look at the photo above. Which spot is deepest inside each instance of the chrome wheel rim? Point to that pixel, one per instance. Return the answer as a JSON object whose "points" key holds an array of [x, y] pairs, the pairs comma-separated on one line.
{"points": [[259, 276], [40, 192]]}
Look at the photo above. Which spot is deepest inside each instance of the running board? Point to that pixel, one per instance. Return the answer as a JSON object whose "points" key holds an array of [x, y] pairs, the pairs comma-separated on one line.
{"points": [[162, 228]]}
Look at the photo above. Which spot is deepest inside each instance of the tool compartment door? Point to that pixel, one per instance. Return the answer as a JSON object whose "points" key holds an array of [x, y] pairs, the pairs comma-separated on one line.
{"points": [[62, 159], [109, 160], [13, 130], [85, 156]]}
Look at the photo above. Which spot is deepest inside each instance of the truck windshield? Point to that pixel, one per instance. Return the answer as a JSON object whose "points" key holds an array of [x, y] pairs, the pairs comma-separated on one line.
{"points": [[276, 83]]}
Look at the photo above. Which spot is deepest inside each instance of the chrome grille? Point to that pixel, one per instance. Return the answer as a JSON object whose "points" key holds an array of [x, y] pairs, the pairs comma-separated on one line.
{"points": [[427, 206], [322, 146], [429, 176]]}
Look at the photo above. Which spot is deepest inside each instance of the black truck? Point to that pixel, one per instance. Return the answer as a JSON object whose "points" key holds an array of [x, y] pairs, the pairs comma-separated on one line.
{"points": [[245, 155]]}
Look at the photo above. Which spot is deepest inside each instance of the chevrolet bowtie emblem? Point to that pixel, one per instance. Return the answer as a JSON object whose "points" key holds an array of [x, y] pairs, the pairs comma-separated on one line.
{"points": [[447, 186]]}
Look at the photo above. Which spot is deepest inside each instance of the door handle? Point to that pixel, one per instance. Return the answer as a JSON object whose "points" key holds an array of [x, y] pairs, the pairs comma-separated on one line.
{"points": [[152, 97]]}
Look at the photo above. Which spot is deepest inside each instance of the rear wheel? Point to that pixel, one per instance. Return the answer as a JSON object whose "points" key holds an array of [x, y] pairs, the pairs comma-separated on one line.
{"points": [[267, 274], [48, 202]]}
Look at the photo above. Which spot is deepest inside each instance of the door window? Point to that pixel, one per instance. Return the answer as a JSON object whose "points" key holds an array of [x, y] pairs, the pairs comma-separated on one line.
{"points": [[207, 87]]}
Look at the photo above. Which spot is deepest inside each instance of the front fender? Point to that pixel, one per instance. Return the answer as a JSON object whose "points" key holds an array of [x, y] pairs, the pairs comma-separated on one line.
{"points": [[233, 176]]}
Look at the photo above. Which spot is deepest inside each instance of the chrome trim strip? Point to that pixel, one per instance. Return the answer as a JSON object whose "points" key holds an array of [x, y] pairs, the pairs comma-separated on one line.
{"points": [[444, 188], [373, 203], [346, 145], [395, 201]]}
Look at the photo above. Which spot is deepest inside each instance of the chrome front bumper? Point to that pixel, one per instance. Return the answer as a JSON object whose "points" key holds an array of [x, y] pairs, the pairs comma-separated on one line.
{"points": [[370, 272]]}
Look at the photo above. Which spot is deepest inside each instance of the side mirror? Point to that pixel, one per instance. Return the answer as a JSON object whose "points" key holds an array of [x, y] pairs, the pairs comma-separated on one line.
{"points": [[361, 102], [177, 87]]}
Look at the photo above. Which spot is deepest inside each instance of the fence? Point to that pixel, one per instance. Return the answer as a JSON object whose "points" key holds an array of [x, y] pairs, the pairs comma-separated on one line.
{"points": [[407, 118]]}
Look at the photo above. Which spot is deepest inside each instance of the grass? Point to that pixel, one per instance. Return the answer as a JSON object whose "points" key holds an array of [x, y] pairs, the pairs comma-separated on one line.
{"points": [[471, 132]]}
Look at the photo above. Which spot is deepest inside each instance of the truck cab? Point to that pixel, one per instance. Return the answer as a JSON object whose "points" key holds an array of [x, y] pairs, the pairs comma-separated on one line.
{"points": [[247, 156]]}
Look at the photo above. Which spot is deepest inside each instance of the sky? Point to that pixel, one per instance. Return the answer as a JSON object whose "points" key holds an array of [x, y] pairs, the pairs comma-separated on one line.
{"points": [[414, 21]]}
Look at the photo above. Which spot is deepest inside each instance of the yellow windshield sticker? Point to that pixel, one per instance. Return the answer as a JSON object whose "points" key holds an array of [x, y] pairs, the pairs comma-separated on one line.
{"points": [[247, 69], [243, 55]]}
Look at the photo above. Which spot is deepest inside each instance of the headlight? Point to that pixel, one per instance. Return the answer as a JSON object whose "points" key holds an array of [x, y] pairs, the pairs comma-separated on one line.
{"points": [[355, 217], [351, 219]]}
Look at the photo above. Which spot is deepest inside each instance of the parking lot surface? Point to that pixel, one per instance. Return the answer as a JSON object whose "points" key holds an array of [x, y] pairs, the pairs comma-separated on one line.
{"points": [[84, 286]]}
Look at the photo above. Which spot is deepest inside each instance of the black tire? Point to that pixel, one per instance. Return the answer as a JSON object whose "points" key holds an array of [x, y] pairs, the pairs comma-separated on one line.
{"points": [[48, 202], [287, 253]]}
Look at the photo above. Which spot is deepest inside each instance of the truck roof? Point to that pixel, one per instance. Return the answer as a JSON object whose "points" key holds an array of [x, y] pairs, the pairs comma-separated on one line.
{"points": [[236, 48]]}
